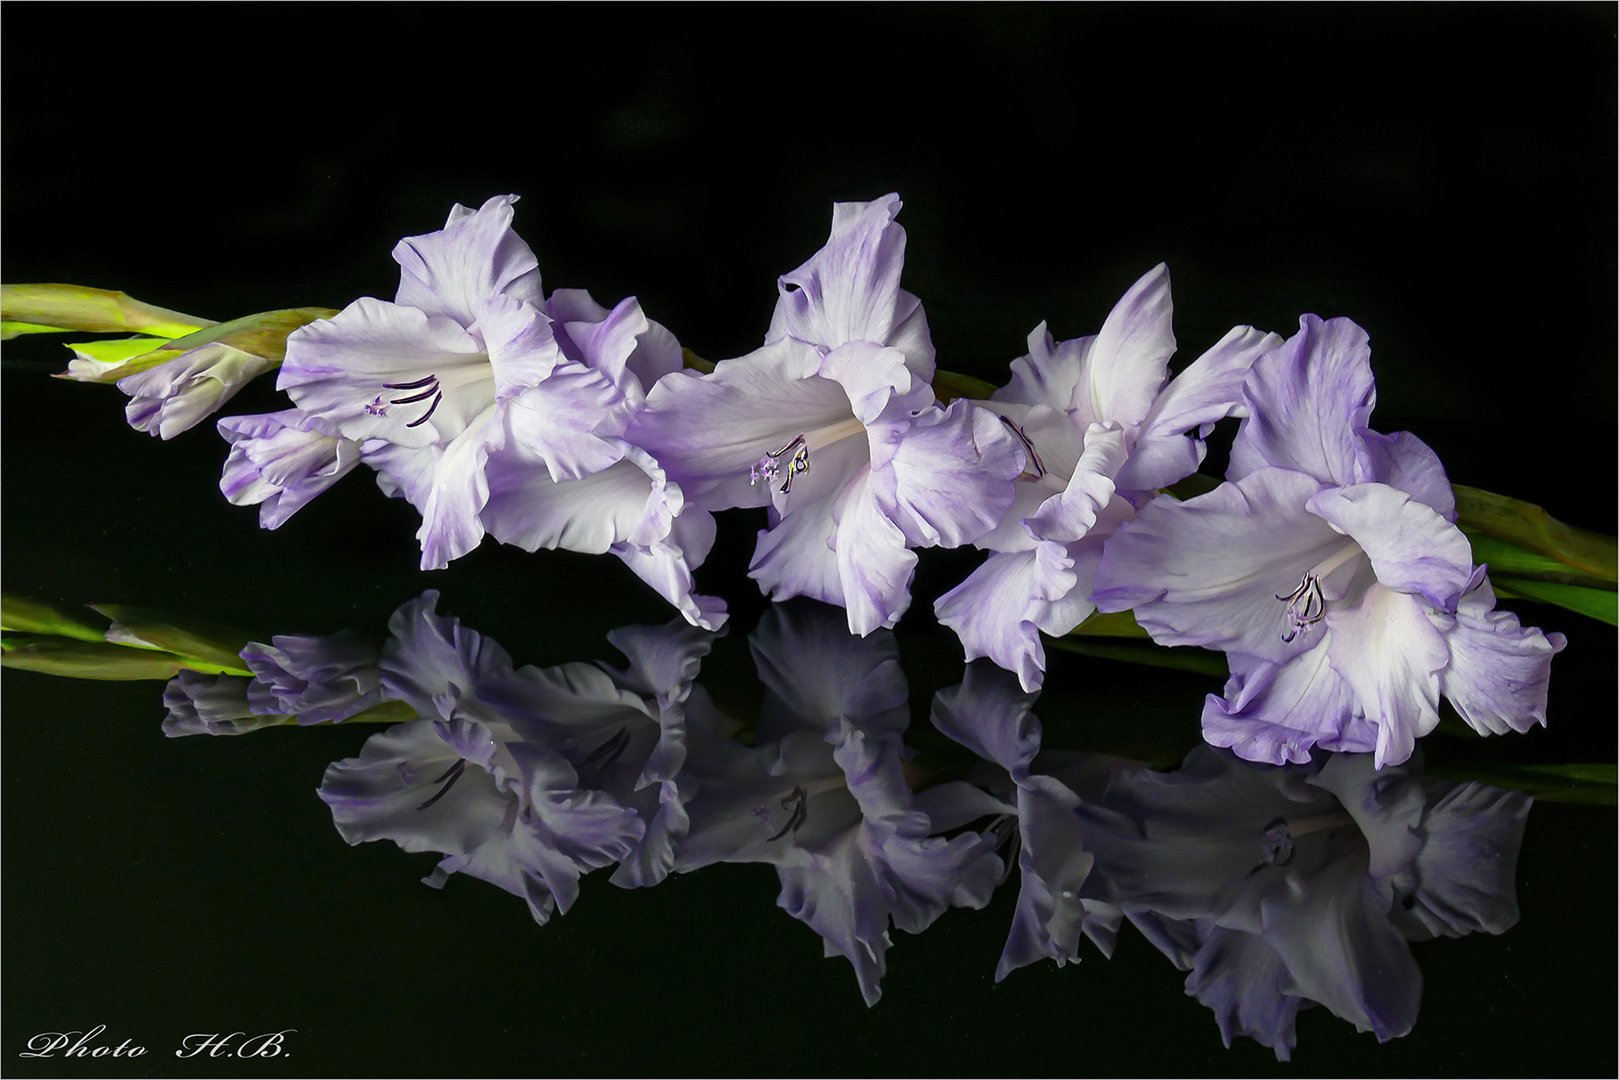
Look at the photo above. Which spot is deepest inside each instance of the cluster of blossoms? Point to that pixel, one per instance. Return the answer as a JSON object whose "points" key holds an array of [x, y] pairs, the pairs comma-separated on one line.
{"points": [[1328, 567], [1275, 887]]}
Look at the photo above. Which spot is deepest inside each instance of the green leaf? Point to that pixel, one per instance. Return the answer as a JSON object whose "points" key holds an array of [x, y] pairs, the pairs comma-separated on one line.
{"points": [[87, 659], [948, 385], [18, 613], [1527, 526], [1183, 658], [1109, 624], [1600, 604], [205, 646], [1547, 783]]}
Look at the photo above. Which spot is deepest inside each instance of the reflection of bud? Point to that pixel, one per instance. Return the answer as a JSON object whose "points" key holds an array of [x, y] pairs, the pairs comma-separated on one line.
{"points": [[190, 377]]}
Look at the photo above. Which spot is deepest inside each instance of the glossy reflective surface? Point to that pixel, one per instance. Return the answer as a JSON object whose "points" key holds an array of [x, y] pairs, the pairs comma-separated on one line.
{"points": [[1392, 168]]}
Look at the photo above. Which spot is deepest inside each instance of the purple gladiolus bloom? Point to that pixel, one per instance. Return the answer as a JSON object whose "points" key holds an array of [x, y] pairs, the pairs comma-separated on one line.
{"points": [[525, 777], [280, 461], [822, 796], [1104, 426], [988, 715], [833, 424], [1278, 888], [1329, 571], [493, 409]]}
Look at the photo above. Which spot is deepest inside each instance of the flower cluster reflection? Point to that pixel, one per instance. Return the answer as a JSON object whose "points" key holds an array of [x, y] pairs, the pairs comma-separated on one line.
{"points": [[1275, 887]]}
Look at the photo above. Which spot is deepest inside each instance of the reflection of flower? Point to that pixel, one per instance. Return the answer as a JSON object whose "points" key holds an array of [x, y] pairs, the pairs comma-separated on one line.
{"points": [[1281, 887], [490, 408], [1104, 426], [988, 715], [822, 796], [833, 424], [1328, 569], [523, 777], [201, 704]]}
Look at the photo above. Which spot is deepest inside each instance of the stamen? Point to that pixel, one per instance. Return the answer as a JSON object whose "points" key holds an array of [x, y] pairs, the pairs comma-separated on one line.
{"points": [[448, 779], [410, 385], [1034, 456], [1275, 846], [769, 467], [1305, 607], [429, 387], [798, 802], [609, 751], [422, 419]]}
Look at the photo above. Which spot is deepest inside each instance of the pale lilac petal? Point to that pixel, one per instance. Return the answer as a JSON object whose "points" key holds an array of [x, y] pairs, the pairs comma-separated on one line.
{"points": [[403, 472], [1050, 374], [708, 431], [667, 566], [1277, 712], [1210, 388], [606, 343], [997, 611], [1129, 359], [520, 342], [357, 369], [476, 255], [1391, 654], [849, 290], [795, 557], [1072, 514], [1406, 462], [877, 382], [654, 856], [874, 565], [629, 501], [1011, 534], [451, 524], [1307, 400], [1208, 571], [1412, 548], [1498, 669], [945, 479], [557, 427]]}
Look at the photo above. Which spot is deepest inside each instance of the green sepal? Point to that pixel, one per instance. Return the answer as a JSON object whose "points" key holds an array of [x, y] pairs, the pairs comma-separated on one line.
{"points": [[949, 385], [695, 362], [21, 615], [204, 646], [87, 659], [44, 308], [1201, 661], [1601, 604]]}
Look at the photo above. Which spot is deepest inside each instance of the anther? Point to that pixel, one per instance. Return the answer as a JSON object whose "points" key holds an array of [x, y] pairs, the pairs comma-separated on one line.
{"points": [[769, 467], [428, 385], [798, 802], [1305, 607], [448, 779], [1034, 457]]}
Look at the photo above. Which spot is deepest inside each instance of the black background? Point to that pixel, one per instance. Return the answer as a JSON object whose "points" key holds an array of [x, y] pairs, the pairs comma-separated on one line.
{"points": [[1443, 175]]}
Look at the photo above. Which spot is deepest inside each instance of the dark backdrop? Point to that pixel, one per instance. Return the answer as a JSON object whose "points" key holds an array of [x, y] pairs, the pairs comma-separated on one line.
{"points": [[1443, 175]]}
